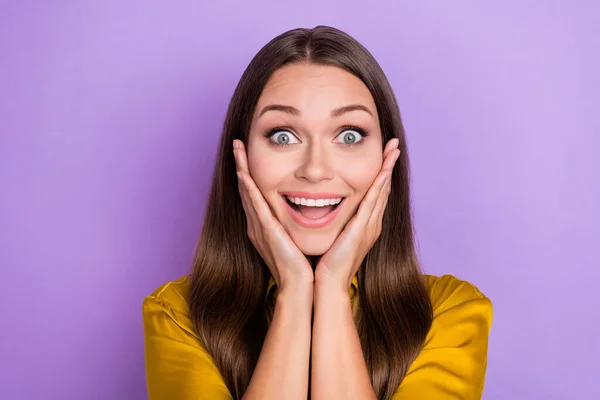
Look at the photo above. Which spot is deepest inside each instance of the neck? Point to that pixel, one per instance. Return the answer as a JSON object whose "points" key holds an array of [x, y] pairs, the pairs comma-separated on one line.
{"points": [[313, 260]]}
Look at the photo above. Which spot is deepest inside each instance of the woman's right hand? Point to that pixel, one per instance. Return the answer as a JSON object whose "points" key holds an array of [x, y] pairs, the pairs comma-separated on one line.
{"points": [[288, 265]]}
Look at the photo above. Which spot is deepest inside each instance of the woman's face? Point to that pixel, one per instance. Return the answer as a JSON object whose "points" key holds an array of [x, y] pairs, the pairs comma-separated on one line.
{"points": [[317, 152]]}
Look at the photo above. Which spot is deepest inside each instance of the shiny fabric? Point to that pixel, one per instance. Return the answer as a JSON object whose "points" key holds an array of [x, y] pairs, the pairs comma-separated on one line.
{"points": [[451, 364]]}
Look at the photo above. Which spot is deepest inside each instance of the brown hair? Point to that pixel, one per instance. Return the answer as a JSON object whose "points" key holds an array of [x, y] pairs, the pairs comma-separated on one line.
{"points": [[229, 278]]}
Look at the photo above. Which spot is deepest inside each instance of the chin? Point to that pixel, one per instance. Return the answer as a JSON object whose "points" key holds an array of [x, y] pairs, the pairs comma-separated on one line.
{"points": [[313, 244]]}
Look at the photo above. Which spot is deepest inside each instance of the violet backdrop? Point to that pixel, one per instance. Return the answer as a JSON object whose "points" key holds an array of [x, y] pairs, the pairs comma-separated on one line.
{"points": [[110, 114]]}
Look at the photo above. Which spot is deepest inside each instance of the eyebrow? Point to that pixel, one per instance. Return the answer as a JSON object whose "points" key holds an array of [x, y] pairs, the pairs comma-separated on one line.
{"points": [[294, 111]]}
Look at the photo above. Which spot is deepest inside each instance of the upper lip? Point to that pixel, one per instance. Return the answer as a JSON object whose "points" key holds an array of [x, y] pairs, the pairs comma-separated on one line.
{"points": [[307, 195]]}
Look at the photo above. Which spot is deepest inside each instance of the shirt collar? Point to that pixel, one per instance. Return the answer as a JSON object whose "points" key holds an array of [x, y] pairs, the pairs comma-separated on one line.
{"points": [[352, 291]]}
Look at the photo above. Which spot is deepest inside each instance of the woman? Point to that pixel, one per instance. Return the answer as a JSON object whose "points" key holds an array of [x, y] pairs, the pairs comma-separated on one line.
{"points": [[305, 280]]}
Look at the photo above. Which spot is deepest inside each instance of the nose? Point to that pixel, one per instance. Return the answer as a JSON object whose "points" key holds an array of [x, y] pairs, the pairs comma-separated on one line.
{"points": [[316, 164]]}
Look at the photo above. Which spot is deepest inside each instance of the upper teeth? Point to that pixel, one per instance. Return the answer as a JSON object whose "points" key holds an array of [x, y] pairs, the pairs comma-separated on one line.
{"points": [[314, 202]]}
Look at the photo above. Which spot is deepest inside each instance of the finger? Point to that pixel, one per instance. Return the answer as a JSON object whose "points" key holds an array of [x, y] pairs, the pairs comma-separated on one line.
{"points": [[238, 147], [377, 214], [244, 197], [370, 200], [391, 145], [378, 211], [390, 161], [241, 159], [237, 163], [256, 200], [251, 217]]}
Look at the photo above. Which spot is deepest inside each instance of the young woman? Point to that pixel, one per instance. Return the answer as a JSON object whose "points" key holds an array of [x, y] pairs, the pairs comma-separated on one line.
{"points": [[305, 281]]}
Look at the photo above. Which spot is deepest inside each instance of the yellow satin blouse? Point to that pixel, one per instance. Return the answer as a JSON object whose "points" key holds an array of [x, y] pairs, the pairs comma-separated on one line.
{"points": [[451, 365]]}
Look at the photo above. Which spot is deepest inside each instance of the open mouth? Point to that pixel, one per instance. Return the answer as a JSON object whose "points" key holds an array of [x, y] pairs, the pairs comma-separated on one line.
{"points": [[313, 209]]}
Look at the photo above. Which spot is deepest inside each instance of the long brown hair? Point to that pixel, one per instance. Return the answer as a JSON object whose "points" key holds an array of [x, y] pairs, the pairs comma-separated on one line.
{"points": [[229, 278]]}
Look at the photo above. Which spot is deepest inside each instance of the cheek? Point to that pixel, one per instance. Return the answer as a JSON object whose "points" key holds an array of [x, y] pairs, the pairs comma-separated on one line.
{"points": [[267, 171], [361, 172]]}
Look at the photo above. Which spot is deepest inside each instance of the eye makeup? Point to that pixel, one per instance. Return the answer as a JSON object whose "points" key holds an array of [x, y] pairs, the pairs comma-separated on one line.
{"points": [[362, 132]]}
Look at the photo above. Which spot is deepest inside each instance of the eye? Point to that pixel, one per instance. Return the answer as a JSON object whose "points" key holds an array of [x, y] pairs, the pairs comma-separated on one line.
{"points": [[352, 135], [281, 137]]}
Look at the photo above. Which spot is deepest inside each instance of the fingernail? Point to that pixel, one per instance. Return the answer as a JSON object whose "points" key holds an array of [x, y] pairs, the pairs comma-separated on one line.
{"points": [[236, 145], [396, 142]]}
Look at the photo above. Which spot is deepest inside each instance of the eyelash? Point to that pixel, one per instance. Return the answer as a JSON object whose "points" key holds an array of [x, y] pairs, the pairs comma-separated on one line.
{"points": [[360, 131]]}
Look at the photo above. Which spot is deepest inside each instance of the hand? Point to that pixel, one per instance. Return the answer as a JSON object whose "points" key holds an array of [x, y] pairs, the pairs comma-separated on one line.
{"points": [[341, 262], [287, 263]]}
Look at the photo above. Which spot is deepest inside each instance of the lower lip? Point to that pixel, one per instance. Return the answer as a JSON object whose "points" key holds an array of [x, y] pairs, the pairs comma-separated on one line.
{"points": [[309, 222]]}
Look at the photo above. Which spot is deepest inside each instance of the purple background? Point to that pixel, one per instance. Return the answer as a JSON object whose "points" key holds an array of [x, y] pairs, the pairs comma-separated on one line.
{"points": [[110, 113]]}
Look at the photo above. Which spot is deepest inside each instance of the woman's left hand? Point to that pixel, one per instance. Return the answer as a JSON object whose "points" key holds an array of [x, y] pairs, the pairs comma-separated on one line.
{"points": [[341, 262]]}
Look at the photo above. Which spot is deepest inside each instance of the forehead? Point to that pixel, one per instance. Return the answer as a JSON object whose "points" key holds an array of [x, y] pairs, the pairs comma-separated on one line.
{"points": [[315, 89]]}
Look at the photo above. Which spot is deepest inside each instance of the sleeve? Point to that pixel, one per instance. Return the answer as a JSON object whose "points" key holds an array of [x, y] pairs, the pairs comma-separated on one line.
{"points": [[177, 365], [453, 360]]}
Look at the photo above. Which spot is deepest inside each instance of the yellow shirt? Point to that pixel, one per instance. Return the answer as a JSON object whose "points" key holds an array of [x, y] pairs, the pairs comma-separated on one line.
{"points": [[451, 364]]}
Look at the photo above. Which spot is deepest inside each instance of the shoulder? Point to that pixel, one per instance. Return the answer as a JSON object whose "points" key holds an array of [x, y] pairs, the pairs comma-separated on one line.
{"points": [[177, 363], [447, 291], [169, 302], [173, 294], [460, 311], [453, 359]]}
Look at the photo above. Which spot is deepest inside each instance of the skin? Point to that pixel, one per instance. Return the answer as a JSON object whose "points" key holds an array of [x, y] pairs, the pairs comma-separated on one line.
{"points": [[315, 160]]}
